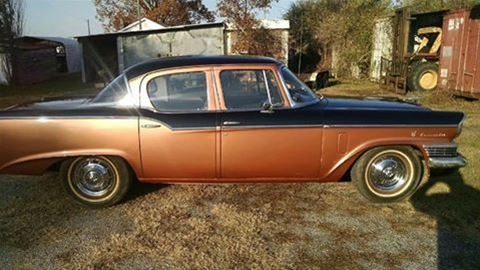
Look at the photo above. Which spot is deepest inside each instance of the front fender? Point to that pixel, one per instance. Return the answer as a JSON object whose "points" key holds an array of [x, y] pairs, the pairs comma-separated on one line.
{"points": [[337, 159]]}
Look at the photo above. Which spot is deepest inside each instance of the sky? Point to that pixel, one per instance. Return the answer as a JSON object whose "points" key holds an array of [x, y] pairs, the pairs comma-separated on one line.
{"points": [[68, 18]]}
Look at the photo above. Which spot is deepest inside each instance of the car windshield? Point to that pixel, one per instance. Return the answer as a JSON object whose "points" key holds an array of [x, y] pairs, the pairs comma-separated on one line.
{"points": [[115, 94], [299, 92]]}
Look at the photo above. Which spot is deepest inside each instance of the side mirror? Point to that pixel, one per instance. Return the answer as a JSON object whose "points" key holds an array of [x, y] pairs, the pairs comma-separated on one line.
{"points": [[267, 107]]}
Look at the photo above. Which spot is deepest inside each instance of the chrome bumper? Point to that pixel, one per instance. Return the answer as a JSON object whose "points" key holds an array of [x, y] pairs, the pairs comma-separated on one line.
{"points": [[447, 162]]}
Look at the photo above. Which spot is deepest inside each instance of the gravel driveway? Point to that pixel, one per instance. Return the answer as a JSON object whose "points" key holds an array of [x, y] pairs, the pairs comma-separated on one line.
{"points": [[254, 226]]}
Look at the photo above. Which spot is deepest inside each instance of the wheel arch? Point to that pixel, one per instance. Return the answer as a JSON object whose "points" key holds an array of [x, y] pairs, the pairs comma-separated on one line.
{"points": [[341, 169]]}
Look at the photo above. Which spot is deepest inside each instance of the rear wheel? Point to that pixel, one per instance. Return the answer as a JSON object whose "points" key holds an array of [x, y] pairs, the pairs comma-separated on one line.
{"points": [[387, 174], [96, 181], [423, 76]]}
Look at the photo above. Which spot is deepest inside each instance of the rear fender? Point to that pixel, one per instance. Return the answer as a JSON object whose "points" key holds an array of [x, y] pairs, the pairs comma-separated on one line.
{"points": [[39, 163]]}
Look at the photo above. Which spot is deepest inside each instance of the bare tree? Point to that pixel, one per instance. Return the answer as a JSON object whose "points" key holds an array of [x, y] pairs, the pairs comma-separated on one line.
{"points": [[116, 14], [11, 27], [250, 36]]}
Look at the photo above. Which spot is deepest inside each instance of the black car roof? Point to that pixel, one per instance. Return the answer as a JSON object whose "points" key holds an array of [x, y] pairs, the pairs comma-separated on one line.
{"points": [[195, 60]]}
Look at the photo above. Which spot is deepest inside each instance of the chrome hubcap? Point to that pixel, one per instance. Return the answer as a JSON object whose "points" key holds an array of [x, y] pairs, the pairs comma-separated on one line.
{"points": [[93, 177], [388, 173]]}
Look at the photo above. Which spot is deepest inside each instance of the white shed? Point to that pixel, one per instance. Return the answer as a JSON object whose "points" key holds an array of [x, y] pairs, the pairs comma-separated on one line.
{"points": [[382, 46], [141, 25]]}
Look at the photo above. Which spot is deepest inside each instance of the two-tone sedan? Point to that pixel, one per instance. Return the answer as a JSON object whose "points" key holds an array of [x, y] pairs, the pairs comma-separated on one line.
{"points": [[218, 119]]}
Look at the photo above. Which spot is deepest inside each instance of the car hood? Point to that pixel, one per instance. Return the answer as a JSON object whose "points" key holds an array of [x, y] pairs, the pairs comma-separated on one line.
{"points": [[372, 103], [380, 112]]}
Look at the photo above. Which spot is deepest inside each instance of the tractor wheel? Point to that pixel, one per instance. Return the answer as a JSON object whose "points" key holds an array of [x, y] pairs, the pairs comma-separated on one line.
{"points": [[321, 81], [423, 76]]}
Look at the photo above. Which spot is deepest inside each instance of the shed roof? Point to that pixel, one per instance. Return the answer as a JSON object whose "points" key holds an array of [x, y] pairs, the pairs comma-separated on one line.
{"points": [[161, 30], [143, 23]]}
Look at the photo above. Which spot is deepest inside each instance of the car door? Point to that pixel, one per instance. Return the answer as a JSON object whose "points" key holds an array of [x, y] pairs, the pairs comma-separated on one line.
{"points": [[178, 125], [260, 143]]}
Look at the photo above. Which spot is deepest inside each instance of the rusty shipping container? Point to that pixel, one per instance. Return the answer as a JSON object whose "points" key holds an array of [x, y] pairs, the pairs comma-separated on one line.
{"points": [[460, 54]]}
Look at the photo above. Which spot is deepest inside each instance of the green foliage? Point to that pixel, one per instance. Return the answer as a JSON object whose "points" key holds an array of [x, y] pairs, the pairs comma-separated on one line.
{"points": [[308, 51], [345, 27], [431, 5]]}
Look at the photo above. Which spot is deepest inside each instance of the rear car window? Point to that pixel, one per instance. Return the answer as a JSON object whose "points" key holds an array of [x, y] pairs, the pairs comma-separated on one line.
{"points": [[179, 92], [115, 93], [250, 89]]}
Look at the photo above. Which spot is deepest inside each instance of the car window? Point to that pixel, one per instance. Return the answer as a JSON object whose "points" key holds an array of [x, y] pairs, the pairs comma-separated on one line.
{"points": [[299, 92], [250, 89], [179, 92], [115, 93]]}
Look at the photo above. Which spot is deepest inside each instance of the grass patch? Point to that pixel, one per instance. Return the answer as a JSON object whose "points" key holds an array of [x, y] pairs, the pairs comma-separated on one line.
{"points": [[258, 226], [452, 199], [67, 85]]}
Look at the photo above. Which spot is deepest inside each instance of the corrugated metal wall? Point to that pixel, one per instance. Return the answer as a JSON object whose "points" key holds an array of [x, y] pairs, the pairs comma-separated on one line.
{"points": [[460, 55], [382, 46], [135, 49]]}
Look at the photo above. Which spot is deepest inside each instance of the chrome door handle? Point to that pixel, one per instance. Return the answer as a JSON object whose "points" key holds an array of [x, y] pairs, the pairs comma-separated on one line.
{"points": [[230, 123], [150, 126]]}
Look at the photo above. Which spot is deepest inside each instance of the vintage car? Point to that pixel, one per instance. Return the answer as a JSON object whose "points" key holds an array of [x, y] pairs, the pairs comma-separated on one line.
{"points": [[222, 119]]}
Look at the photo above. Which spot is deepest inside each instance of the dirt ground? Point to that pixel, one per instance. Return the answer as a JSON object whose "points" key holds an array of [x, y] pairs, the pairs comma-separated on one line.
{"points": [[250, 226]]}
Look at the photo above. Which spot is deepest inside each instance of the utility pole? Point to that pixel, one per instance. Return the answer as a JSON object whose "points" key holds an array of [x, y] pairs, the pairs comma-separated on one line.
{"points": [[138, 15], [88, 26]]}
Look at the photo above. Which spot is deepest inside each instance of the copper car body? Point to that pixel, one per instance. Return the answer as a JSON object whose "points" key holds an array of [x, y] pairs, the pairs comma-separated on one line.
{"points": [[314, 142]]}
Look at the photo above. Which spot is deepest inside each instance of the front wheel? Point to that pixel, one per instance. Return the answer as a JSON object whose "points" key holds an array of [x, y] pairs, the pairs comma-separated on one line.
{"points": [[387, 174], [96, 181]]}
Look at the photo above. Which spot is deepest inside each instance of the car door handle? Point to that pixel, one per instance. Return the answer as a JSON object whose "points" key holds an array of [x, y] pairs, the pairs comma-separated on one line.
{"points": [[151, 126], [231, 123]]}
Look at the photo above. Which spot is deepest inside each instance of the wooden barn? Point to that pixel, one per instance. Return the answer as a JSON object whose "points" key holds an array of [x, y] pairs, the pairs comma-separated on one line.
{"points": [[38, 59]]}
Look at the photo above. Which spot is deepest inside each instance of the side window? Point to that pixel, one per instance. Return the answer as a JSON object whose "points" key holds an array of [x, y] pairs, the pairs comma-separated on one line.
{"points": [[115, 94], [299, 92], [179, 92], [250, 89]]}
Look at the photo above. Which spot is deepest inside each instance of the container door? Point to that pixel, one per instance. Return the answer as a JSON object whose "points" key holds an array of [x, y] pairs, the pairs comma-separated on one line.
{"points": [[471, 74]]}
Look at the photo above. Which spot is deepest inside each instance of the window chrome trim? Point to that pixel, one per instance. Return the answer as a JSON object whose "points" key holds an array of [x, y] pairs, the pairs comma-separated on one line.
{"points": [[293, 104], [267, 87], [285, 88], [175, 73], [269, 95]]}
